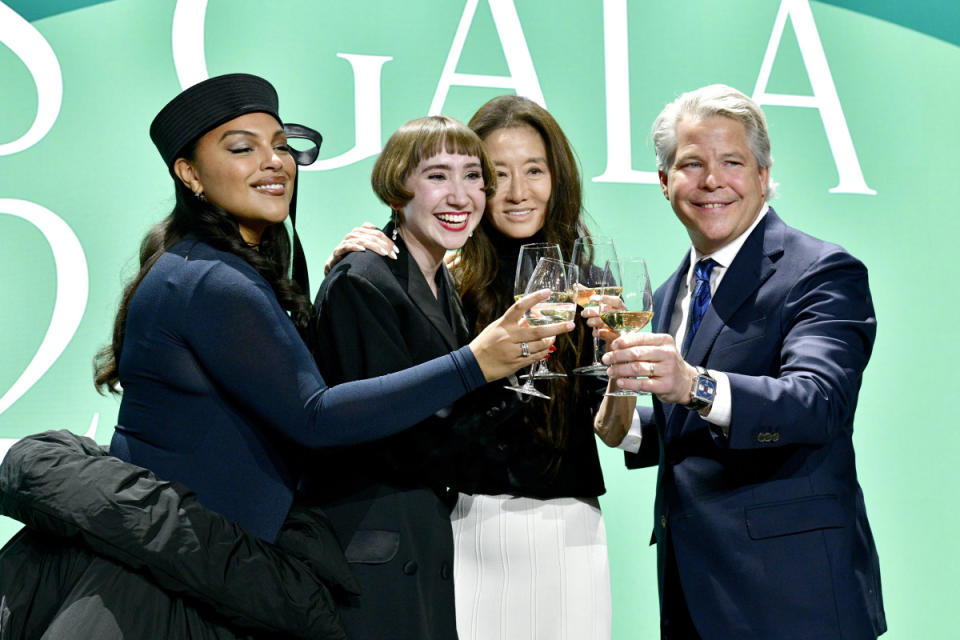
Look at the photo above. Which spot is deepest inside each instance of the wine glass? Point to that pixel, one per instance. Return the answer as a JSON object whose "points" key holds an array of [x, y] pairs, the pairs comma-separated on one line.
{"points": [[530, 255], [633, 310], [590, 254], [559, 307]]}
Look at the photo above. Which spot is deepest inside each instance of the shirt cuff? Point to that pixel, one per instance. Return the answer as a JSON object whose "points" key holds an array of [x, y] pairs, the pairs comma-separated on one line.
{"points": [[722, 403], [631, 441]]}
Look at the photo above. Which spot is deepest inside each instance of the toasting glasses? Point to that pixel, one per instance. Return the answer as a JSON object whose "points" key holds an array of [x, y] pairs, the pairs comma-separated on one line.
{"points": [[555, 275], [591, 253]]}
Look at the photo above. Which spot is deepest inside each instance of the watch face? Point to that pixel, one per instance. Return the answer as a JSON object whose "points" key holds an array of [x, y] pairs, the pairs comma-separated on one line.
{"points": [[706, 388]]}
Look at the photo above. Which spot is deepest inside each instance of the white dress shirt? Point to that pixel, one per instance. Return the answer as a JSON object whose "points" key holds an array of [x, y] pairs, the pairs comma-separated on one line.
{"points": [[721, 411]]}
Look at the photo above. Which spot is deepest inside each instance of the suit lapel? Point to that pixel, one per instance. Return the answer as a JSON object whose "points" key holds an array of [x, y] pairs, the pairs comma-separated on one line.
{"points": [[461, 328], [409, 275], [753, 265], [663, 309]]}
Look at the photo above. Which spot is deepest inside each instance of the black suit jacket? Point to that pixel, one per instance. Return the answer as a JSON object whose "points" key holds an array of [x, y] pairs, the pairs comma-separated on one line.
{"points": [[387, 499], [768, 526]]}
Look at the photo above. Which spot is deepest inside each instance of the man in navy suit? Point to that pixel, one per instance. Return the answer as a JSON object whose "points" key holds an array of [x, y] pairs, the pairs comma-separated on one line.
{"points": [[760, 340]]}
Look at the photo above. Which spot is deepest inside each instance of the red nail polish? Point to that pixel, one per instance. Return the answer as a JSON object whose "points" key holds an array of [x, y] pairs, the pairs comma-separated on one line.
{"points": [[553, 348]]}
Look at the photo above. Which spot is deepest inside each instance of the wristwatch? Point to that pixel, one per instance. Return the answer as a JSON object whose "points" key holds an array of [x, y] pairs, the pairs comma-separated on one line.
{"points": [[703, 391]]}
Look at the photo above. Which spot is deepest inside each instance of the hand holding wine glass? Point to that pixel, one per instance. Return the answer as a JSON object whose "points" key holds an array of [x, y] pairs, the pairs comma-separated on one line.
{"points": [[510, 343], [633, 310], [558, 307]]}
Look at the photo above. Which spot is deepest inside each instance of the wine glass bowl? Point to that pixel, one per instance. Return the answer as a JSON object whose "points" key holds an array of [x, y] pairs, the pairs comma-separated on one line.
{"points": [[527, 262], [561, 305], [626, 302], [591, 254]]}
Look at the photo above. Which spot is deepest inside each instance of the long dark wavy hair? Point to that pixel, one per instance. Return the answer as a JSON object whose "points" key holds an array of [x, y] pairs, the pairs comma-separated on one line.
{"points": [[485, 297], [218, 228]]}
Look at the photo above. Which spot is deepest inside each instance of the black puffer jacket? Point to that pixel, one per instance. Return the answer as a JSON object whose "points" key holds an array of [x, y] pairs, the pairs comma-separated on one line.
{"points": [[110, 551]]}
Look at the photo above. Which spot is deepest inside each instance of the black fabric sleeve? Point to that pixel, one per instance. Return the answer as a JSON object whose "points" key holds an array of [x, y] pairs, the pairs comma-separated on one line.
{"points": [[64, 485]]}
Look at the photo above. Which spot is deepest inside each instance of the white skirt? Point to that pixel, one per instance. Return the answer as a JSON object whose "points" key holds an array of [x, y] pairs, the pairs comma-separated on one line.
{"points": [[527, 569]]}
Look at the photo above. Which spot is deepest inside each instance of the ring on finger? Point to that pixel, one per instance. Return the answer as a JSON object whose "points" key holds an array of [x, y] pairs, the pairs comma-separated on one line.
{"points": [[650, 375], [525, 349]]}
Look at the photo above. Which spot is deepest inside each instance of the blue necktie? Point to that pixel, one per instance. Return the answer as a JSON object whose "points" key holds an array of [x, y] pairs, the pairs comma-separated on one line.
{"points": [[700, 299]]}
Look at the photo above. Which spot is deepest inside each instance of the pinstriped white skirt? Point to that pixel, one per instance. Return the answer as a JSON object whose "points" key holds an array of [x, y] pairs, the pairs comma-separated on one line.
{"points": [[527, 569]]}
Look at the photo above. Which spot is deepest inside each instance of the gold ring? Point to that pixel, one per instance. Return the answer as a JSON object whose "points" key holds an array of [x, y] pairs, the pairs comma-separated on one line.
{"points": [[650, 375]]}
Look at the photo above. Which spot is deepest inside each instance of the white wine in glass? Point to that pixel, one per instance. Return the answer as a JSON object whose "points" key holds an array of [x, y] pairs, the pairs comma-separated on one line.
{"points": [[591, 254], [560, 306], [633, 309], [530, 255]]}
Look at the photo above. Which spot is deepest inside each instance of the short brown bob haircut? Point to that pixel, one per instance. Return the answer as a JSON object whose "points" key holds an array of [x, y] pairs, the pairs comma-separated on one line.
{"points": [[422, 139]]}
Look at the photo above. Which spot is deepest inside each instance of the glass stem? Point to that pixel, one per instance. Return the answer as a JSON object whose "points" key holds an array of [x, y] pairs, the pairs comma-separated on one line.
{"points": [[596, 351], [528, 385]]}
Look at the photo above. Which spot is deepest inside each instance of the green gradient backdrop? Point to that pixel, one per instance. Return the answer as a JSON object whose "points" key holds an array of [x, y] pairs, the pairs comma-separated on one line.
{"points": [[96, 170]]}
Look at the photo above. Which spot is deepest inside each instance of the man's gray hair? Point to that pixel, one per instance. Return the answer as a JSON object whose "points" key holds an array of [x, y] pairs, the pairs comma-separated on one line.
{"points": [[713, 100]]}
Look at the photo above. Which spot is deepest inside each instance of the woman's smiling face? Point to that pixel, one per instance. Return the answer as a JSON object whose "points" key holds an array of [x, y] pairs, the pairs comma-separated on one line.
{"points": [[244, 166], [519, 207], [447, 204]]}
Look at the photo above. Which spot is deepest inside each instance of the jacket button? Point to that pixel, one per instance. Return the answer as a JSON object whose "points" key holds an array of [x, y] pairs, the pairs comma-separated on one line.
{"points": [[445, 570], [410, 568], [663, 521]]}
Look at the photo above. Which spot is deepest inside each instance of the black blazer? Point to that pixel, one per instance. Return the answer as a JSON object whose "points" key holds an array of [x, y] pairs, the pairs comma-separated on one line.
{"points": [[768, 525], [387, 499]]}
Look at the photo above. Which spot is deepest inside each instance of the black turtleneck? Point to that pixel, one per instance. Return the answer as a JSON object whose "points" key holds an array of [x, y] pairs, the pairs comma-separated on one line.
{"points": [[510, 459]]}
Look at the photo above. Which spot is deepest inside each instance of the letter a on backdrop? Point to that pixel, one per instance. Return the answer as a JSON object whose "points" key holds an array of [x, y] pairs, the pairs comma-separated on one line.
{"points": [[824, 96]]}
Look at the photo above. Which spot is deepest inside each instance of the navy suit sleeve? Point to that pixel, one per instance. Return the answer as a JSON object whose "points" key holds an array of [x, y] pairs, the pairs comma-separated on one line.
{"points": [[828, 327], [251, 350]]}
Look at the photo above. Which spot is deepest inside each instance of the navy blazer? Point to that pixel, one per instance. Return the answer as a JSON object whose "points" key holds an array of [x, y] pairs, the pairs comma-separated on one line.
{"points": [[220, 392], [768, 525]]}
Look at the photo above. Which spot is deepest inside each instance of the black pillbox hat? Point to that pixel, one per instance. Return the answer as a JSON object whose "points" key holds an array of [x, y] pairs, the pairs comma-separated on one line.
{"points": [[205, 106]]}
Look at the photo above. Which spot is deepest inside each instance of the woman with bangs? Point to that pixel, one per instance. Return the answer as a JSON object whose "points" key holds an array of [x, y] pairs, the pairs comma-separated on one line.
{"points": [[530, 542], [387, 500]]}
